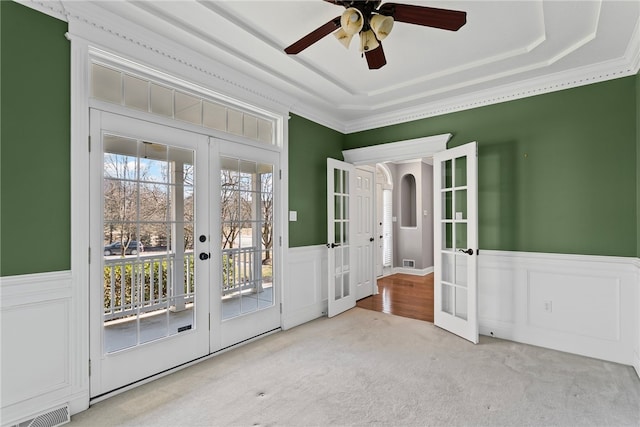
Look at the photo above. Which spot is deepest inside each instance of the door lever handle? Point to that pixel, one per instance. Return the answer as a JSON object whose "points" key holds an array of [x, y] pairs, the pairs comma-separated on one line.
{"points": [[333, 245], [468, 251], [371, 239]]}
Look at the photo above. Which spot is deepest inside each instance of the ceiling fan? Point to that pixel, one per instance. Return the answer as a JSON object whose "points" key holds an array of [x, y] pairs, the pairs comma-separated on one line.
{"points": [[374, 22]]}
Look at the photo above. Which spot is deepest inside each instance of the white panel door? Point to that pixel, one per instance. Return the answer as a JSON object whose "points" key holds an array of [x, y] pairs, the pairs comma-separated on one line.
{"points": [[456, 240], [340, 182], [149, 294], [363, 239]]}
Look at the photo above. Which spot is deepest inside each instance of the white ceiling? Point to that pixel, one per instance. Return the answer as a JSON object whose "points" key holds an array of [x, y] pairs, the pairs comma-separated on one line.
{"points": [[507, 50]]}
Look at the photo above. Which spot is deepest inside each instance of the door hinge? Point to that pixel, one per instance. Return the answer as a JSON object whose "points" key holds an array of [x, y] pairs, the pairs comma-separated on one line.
{"points": [[89, 367], [280, 308], [209, 321], [89, 255], [280, 173], [89, 138], [280, 240]]}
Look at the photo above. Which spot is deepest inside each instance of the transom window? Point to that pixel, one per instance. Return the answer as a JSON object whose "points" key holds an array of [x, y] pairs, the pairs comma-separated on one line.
{"points": [[123, 88]]}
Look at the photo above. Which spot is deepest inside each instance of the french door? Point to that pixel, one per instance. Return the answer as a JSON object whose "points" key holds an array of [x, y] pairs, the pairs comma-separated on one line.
{"points": [[149, 293], [340, 208], [456, 240], [245, 298], [184, 248]]}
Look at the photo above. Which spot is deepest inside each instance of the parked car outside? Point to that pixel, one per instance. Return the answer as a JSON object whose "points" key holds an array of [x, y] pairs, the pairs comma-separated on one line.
{"points": [[115, 248]]}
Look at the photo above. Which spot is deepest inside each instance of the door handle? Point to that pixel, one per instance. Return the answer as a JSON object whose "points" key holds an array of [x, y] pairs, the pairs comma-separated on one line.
{"points": [[468, 251], [204, 256], [371, 239], [333, 245]]}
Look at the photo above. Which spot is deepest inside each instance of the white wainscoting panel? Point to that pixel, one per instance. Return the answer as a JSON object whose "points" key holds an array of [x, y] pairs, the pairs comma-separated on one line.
{"points": [[305, 287], [580, 304], [35, 319]]}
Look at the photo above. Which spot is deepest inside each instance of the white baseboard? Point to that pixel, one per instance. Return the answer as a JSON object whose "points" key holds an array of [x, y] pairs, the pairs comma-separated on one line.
{"points": [[413, 271]]}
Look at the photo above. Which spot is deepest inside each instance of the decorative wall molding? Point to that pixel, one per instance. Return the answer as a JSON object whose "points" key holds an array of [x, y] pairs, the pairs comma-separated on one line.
{"points": [[580, 304], [238, 84], [36, 322], [398, 151], [524, 89], [594, 300], [305, 292], [146, 47]]}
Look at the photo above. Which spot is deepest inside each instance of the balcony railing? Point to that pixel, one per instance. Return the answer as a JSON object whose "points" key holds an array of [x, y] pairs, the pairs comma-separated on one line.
{"points": [[135, 285], [138, 285], [241, 270]]}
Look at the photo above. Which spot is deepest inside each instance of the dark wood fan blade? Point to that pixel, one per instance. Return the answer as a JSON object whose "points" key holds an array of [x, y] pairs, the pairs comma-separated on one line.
{"points": [[375, 58], [427, 16], [313, 36]]}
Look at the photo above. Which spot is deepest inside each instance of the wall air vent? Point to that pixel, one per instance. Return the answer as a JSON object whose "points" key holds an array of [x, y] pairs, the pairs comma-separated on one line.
{"points": [[408, 263], [52, 418]]}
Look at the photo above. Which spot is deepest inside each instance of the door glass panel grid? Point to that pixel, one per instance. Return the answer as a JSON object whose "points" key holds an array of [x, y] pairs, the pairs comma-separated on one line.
{"points": [[146, 207], [247, 203]]}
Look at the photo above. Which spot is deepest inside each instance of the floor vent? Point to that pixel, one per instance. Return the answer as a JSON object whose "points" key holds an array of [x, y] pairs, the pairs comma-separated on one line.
{"points": [[408, 263], [52, 418]]}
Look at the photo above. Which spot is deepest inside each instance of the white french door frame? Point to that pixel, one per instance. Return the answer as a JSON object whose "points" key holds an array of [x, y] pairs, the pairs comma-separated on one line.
{"points": [[113, 370]]}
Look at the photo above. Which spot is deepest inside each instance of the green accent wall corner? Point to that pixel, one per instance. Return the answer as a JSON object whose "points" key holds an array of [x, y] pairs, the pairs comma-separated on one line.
{"points": [[35, 195], [309, 146]]}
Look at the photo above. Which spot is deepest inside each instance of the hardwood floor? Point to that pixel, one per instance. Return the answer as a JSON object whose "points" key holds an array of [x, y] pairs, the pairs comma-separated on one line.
{"points": [[404, 295]]}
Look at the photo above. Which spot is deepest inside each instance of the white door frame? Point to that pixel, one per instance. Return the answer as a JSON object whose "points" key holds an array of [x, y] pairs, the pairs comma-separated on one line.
{"points": [[397, 151]]}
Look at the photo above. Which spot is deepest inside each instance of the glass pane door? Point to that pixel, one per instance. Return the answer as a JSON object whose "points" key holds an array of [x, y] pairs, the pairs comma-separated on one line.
{"points": [[149, 294], [246, 201], [456, 242], [340, 184]]}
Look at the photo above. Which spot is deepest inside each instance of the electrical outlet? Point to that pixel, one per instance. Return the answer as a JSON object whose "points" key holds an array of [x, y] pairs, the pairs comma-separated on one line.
{"points": [[548, 306]]}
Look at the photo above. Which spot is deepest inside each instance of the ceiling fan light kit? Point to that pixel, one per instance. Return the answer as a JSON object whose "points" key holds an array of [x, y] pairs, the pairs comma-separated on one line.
{"points": [[374, 23]]}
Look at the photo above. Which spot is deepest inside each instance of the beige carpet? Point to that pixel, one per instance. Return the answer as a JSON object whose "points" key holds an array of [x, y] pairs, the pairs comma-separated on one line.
{"points": [[369, 368]]}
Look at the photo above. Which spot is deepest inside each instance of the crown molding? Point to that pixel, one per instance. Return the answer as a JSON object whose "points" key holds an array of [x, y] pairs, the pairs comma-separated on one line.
{"points": [[628, 65], [53, 8], [114, 34], [157, 51]]}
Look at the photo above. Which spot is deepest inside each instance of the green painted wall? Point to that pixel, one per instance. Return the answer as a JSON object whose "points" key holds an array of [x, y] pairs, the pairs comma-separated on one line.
{"points": [[309, 146], [35, 228], [557, 172]]}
